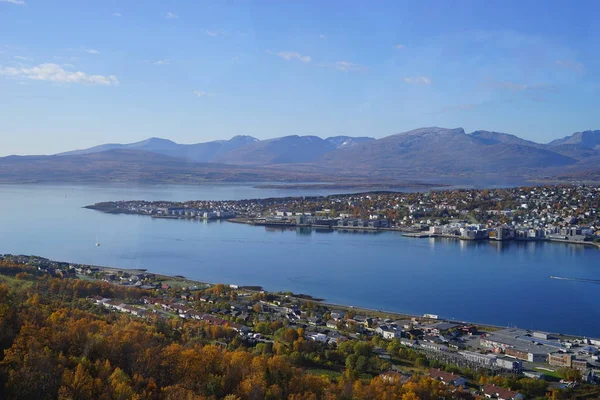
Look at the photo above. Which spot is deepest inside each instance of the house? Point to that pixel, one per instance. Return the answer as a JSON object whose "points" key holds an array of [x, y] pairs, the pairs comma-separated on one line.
{"points": [[336, 316], [408, 342], [447, 378], [388, 332], [500, 393], [393, 376], [331, 324], [440, 327], [438, 348], [404, 323], [318, 337]]}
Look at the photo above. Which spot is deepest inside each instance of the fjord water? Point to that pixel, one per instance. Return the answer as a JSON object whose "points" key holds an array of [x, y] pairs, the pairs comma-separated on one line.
{"points": [[502, 284]]}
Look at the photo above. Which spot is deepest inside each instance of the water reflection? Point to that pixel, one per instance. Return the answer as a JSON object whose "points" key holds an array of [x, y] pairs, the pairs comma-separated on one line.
{"points": [[358, 232]]}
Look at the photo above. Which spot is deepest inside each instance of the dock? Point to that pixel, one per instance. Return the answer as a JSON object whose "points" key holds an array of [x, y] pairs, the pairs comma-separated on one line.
{"points": [[418, 234]]}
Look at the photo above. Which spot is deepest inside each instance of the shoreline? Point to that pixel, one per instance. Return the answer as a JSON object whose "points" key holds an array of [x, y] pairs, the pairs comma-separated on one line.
{"points": [[362, 310], [406, 232]]}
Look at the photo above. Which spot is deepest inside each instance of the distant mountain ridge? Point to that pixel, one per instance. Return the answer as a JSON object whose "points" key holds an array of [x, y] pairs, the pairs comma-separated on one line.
{"points": [[200, 152], [449, 150], [287, 149], [587, 139], [424, 153], [507, 138]]}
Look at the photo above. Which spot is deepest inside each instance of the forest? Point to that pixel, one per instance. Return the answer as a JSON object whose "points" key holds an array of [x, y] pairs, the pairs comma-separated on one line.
{"points": [[55, 343]]}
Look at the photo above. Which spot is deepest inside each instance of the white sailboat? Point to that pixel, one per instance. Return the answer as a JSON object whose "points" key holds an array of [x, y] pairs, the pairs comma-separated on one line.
{"points": [[97, 242]]}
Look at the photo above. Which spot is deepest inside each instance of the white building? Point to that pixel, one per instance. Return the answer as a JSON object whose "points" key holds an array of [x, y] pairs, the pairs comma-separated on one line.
{"points": [[388, 332]]}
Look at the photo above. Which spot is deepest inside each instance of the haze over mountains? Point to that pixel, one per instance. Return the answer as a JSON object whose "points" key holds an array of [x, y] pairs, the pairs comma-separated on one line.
{"points": [[425, 153], [239, 149]]}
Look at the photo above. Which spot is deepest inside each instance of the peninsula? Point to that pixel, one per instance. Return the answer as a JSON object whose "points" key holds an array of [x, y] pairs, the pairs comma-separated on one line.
{"points": [[562, 213]]}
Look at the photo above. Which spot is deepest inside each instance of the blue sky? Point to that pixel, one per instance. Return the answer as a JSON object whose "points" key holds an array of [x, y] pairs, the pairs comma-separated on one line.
{"points": [[79, 73]]}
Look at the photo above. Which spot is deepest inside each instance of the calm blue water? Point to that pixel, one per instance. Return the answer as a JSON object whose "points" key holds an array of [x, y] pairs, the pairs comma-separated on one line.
{"points": [[484, 282]]}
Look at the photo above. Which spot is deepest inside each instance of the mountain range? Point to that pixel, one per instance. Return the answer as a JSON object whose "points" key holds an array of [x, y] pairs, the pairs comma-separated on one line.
{"points": [[425, 153], [238, 149]]}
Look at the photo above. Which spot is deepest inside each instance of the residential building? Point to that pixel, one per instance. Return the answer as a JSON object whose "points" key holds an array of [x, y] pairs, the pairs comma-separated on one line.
{"points": [[500, 393], [447, 378], [387, 332], [440, 348]]}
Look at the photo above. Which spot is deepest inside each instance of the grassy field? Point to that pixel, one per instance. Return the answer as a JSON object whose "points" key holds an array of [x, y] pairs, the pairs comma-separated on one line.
{"points": [[552, 374], [326, 372], [16, 283], [176, 283]]}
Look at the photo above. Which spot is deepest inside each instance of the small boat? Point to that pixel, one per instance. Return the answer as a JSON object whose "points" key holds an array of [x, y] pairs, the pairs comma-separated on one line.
{"points": [[97, 244]]}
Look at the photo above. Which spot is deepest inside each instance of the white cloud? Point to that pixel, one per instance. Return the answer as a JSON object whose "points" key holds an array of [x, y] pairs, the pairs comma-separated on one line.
{"points": [[572, 65], [91, 51], [322, 37], [23, 58], [348, 66], [200, 93], [214, 33], [17, 2], [117, 14], [171, 15], [165, 61], [291, 55], [55, 73], [418, 80], [400, 46]]}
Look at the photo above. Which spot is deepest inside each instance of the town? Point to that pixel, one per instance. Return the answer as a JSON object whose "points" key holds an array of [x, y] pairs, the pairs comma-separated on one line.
{"points": [[455, 353], [566, 213]]}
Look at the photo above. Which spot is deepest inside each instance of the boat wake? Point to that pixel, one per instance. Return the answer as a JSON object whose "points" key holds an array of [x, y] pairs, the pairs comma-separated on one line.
{"points": [[576, 279]]}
